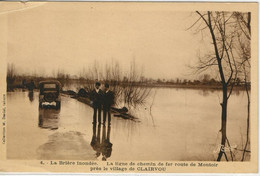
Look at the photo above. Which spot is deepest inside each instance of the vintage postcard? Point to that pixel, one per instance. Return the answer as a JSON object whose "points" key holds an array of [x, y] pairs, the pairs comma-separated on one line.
{"points": [[129, 87]]}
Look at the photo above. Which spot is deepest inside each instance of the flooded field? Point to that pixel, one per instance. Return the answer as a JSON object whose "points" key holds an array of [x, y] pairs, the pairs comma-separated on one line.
{"points": [[174, 124]]}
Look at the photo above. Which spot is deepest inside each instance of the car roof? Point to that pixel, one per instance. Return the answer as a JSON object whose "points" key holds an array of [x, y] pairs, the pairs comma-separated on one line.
{"points": [[50, 82]]}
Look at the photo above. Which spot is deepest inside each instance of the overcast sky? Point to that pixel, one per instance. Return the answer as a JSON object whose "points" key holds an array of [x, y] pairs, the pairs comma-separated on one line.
{"points": [[70, 36]]}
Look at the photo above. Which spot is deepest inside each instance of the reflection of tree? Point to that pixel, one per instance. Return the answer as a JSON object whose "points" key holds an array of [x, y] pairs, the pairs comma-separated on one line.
{"points": [[223, 28], [205, 92], [237, 93], [104, 146]]}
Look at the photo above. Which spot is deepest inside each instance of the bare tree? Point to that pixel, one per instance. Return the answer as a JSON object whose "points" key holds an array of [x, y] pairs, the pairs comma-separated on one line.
{"points": [[124, 85], [244, 50], [112, 75], [132, 92], [11, 76], [222, 28]]}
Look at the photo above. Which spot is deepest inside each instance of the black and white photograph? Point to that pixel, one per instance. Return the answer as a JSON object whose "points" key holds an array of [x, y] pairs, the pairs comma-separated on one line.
{"points": [[113, 83]]}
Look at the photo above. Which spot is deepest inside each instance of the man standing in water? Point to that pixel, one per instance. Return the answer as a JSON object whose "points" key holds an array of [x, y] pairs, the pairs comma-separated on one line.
{"points": [[96, 98], [108, 101], [31, 86]]}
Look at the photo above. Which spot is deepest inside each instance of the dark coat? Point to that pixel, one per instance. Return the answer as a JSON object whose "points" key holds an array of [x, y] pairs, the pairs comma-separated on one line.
{"points": [[108, 98], [96, 97], [31, 86]]}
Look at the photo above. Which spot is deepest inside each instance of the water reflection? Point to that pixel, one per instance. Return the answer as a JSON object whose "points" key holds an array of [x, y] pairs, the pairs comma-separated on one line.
{"points": [[70, 145], [106, 145], [103, 146], [209, 92], [31, 96], [72, 139], [95, 142], [237, 92], [49, 118], [205, 92]]}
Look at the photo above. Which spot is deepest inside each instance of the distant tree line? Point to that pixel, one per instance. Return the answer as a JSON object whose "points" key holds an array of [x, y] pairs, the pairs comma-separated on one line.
{"points": [[113, 76]]}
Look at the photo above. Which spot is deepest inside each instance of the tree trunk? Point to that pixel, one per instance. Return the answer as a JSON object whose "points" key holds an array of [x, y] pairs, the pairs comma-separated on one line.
{"points": [[223, 122], [219, 58], [248, 119]]}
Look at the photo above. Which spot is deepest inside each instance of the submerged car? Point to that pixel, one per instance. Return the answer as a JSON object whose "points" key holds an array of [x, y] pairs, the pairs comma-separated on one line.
{"points": [[50, 94]]}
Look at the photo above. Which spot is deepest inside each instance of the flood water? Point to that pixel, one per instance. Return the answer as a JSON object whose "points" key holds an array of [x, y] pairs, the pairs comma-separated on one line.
{"points": [[174, 124]]}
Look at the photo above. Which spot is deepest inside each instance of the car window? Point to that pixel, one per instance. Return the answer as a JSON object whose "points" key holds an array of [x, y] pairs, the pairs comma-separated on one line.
{"points": [[49, 86]]}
